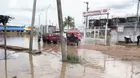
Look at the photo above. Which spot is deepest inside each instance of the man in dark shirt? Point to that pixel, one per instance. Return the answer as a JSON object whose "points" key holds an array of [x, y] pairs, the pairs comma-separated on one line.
{"points": [[39, 37], [138, 39]]}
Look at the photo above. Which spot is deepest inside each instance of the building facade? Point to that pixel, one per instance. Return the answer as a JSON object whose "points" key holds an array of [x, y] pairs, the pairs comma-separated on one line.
{"points": [[119, 27]]}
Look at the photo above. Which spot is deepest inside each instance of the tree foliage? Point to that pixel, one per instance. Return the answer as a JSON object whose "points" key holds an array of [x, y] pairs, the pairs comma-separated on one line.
{"points": [[5, 19], [69, 21]]}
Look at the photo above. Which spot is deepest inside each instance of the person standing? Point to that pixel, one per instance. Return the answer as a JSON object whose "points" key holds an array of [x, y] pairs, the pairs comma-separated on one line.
{"points": [[128, 39], [138, 39], [39, 37]]}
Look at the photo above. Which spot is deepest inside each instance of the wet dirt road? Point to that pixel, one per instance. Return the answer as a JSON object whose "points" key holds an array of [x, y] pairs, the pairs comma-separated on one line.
{"points": [[49, 65]]}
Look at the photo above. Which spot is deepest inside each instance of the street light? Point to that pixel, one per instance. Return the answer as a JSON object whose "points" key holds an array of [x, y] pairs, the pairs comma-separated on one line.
{"points": [[32, 26], [87, 3], [44, 29], [47, 17], [137, 21], [39, 16], [39, 20]]}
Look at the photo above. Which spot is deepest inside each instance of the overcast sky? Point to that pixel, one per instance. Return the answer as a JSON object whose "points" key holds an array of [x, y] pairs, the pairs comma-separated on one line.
{"points": [[22, 9]]}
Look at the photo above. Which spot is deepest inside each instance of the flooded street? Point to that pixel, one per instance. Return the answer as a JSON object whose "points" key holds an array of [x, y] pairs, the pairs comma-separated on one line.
{"points": [[20, 40], [48, 65]]}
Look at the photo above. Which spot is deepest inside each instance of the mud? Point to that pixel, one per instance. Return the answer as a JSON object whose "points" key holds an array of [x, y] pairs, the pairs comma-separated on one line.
{"points": [[122, 52]]}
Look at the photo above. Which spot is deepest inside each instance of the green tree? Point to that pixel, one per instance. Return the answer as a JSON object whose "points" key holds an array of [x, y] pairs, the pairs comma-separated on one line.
{"points": [[69, 21], [4, 20]]}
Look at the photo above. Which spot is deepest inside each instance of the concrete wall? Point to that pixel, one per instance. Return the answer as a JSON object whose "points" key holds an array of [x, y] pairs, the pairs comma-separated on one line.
{"points": [[115, 37]]}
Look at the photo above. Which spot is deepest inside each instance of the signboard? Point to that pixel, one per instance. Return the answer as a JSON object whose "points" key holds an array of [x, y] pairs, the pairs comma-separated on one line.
{"points": [[120, 29], [96, 12]]}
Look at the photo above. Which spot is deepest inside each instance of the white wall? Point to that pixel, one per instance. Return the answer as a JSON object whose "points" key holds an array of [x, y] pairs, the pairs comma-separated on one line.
{"points": [[121, 35], [113, 36]]}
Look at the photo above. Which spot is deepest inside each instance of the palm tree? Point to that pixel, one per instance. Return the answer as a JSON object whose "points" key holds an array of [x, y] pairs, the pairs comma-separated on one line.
{"points": [[4, 20], [69, 21]]}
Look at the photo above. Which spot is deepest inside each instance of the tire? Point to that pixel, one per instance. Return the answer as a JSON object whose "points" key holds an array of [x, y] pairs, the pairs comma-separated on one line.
{"points": [[79, 39], [44, 41], [77, 43], [48, 42], [54, 42]]}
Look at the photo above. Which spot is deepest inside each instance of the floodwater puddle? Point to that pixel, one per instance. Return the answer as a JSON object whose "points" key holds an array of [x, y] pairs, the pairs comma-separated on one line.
{"points": [[10, 55], [49, 65], [20, 40], [111, 67]]}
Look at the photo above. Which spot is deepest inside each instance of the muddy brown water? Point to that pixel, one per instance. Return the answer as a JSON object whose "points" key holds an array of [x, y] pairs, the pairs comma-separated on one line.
{"points": [[49, 65]]}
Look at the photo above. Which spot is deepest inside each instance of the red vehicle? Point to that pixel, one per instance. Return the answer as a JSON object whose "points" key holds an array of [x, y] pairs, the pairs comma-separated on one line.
{"points": [[73, 36], [55, 37], [75, 32], [51, 37]]}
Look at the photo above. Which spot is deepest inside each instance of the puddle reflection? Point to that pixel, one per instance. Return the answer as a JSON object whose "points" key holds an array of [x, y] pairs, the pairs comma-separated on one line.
{"points": [[99, 66], [50, 47], [20, 40], [72, 49], [39, 46], [49, 65], [31, 65], [56, 48], [63, 70], [6, 73]]}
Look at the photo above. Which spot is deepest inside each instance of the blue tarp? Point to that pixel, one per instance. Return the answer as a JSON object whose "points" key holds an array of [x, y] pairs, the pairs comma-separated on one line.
{"points": [[13, 28]]}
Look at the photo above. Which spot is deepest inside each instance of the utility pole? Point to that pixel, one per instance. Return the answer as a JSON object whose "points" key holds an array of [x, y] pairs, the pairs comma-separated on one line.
{"points": [[32, 26], [137, 21], [39, 22], [46, 28], [5, 47], [40, 28], [60, 19], [87, 9], [106, 29], [5, 51]]}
